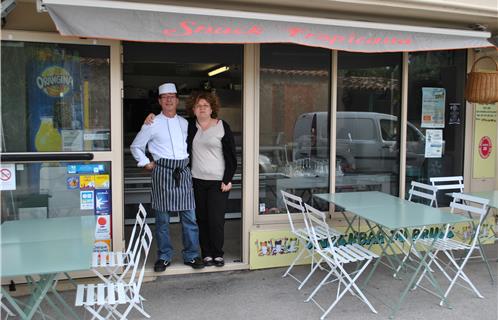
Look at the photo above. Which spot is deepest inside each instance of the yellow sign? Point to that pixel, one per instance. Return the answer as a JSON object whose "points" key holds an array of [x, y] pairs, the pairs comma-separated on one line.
{"points": [[274, 248], [484, 141], [278, 248]]}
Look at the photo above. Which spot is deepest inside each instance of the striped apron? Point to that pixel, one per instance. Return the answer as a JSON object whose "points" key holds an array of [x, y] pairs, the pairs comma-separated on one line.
{"points": [[168, 194]]}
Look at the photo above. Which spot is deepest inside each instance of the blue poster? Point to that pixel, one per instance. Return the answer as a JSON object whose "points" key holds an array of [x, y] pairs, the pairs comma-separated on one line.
{"points": [[54, 96], [85, 168], [103, 202]]}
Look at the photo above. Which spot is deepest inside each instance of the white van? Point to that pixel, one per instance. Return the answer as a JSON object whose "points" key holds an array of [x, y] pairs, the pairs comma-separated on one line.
{"points": [[366, 141]]}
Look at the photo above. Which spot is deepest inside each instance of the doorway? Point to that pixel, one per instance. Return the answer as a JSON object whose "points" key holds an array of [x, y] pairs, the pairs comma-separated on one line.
{"points": [[190, 67]]}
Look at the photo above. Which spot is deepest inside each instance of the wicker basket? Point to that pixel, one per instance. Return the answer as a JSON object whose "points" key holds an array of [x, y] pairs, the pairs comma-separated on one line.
{"points": [[482, 87]]}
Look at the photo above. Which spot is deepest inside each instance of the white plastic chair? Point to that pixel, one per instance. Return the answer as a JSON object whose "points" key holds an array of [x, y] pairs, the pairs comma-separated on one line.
{"points": [[445, 184], [453, 271], [114, 261], [4, 310], [109, 295], [336, 257], [455, 183], [420, 193], [294, 204]]}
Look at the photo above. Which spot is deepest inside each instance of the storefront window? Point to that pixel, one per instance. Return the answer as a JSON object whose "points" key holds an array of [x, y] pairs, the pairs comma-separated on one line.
{"points": [[55, 189], [294, 123], [55, 97], [435, 111], [367, 126]]}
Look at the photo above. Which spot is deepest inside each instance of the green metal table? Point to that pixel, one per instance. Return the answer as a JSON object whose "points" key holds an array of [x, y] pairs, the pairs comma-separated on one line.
{"points": [[388, 216], [492, 196], [46, 248]]}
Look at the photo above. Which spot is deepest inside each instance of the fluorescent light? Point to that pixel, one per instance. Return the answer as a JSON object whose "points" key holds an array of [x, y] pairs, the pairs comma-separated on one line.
{"points": [[218, 70]]}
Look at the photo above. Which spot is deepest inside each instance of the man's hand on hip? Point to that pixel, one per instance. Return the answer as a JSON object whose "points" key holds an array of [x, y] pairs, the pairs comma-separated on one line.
{"points": [[150, 166]]}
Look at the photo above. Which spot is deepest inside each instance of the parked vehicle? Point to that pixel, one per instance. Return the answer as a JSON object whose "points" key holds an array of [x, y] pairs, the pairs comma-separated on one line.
{"points": [[366, 141]]}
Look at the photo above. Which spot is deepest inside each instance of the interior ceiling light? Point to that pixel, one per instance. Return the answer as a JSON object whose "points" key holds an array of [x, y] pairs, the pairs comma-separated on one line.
{"points": [[218, 71]]}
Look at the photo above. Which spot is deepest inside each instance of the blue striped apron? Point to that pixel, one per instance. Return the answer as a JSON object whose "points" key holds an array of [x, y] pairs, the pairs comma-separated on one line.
{"points": [[168, 194]]}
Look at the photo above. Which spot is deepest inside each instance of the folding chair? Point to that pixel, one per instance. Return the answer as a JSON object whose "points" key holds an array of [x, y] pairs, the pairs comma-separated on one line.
{"points": [[445, 184], [455, 183], [109, 295], [445, 245], [336, 257], [114, 261], [295, 203], [420, 193], [4, 310]]}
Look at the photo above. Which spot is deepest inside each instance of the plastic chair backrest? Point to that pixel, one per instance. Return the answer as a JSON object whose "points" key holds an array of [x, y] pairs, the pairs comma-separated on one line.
{"points": [[424, 191], [136, 232], [292, 201], [470, 204], [316, 225], [136, 276], [448, 183]]}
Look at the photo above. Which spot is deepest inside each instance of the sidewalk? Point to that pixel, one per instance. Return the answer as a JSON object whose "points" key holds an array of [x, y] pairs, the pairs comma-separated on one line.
{"points": [[264, 294]]}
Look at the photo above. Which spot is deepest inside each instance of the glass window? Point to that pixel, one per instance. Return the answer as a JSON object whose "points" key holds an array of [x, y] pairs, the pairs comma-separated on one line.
{"points": [[444, 71], [294, 123], [57, 189], [55, 97], [368, 107]]}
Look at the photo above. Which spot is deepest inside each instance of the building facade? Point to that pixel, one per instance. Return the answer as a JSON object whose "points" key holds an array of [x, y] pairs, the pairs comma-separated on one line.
{"points": [[330, 96]]}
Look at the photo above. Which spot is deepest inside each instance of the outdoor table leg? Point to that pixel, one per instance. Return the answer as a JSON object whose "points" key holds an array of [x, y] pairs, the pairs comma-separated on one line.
{"points": [[481, 249], [38, 293], [384, 253], [423, 264]]}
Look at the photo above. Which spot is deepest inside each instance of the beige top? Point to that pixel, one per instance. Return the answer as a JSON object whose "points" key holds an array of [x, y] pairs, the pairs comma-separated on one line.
{"points": [[207, 153]]}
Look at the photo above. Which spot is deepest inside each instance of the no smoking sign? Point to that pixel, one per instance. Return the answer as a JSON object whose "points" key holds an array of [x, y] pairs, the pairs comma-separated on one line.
{"points": [[485, 147], [7, 177]]}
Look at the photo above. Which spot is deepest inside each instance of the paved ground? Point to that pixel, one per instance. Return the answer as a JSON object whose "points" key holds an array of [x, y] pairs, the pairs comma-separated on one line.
{"points": [[263, 294]]}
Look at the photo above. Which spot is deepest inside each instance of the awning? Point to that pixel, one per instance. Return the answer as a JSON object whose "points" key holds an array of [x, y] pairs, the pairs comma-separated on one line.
{"points": [[164, 23]]}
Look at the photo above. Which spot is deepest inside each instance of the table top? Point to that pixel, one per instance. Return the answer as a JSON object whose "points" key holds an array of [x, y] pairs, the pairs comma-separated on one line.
{"points": [[47, 245], [17, 231], [350, 200], [492, 196], [391, 212]]}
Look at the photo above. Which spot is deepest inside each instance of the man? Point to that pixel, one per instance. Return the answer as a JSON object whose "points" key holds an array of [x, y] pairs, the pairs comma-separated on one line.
{"points": [[171, 178]]}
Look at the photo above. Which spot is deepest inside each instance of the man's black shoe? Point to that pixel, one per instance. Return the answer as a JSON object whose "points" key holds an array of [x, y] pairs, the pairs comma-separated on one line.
{"points": [[195, 263], [161, 265]]}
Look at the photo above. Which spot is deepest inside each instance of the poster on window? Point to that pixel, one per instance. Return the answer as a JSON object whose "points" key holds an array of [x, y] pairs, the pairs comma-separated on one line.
{"points": [[484, 165], [433, 102], [103, 227], [54, 98], [433, 143], [7, 176]]}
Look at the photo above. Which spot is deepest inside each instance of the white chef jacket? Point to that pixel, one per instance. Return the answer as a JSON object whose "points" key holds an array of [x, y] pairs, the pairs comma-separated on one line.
{"points": [[164, 138]]}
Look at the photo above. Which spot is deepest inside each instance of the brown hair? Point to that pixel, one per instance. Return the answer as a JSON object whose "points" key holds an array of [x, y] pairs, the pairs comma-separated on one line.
{"points": [[210, 97]]}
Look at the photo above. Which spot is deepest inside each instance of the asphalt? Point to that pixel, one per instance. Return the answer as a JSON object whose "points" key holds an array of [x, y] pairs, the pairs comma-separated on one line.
{"points": [[264, 294]]}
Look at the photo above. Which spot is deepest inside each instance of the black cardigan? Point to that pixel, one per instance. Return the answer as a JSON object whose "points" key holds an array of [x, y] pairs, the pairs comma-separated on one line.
{"points": [[227, 144]]}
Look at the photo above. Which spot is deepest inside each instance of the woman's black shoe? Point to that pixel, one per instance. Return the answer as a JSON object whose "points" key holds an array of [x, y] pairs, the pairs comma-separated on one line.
{"points": [[219, 262]]}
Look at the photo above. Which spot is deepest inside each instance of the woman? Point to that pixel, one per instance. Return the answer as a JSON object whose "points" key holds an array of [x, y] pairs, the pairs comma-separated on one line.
{"points": [[211, 148]]}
